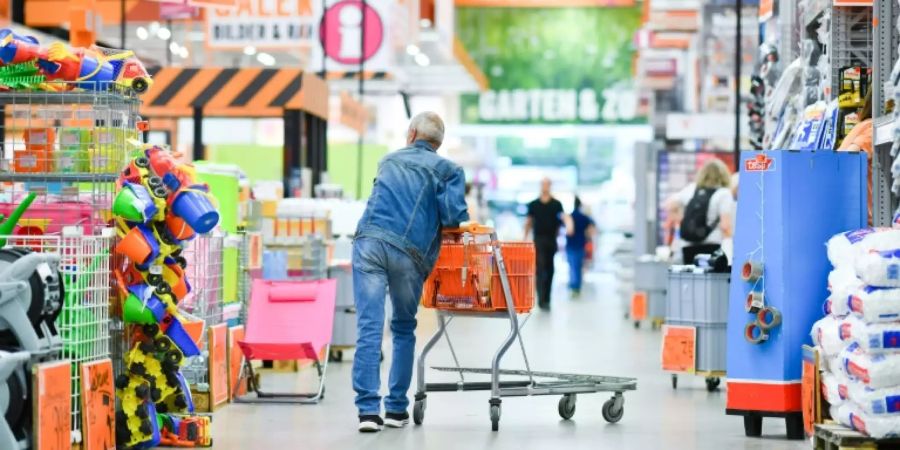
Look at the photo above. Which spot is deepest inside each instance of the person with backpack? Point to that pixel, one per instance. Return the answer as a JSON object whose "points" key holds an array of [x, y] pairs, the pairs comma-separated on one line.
{"points": [[708, 207]]}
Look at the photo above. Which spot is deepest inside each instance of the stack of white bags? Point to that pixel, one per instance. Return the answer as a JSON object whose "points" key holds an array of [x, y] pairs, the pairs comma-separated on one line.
{"points": [[859, 339]]}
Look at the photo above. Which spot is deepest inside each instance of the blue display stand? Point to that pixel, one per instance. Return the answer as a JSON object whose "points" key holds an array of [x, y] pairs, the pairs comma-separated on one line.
{"points": [[789, 204]]}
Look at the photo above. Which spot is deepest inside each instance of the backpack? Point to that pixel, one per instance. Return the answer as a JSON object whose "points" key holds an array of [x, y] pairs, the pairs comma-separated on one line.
{"points": [[694, 227]]}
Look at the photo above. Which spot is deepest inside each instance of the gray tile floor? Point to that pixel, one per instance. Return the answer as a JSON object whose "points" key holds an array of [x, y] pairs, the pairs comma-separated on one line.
{"points": [[587, 334]]}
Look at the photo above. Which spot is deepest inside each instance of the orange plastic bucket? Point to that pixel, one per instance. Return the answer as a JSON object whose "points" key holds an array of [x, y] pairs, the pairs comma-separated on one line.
{"points": [[134, 246]]}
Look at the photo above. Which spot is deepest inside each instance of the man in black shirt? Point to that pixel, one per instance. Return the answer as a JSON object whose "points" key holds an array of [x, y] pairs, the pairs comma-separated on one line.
{"points": [[545, 217]]}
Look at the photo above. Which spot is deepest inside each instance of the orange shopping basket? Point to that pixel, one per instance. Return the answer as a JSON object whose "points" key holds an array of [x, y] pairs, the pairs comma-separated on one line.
{"points": [[465, 277]]}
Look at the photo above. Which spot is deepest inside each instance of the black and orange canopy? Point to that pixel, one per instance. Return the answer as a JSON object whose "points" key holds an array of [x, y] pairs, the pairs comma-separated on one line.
{"points": [[234, 92]]}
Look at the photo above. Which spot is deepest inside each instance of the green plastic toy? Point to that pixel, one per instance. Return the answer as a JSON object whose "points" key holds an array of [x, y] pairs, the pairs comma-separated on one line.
{"points": [[7, 227]]}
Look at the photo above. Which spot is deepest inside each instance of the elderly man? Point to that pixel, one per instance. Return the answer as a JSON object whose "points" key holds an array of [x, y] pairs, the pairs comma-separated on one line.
{"points": [[416, 193]]}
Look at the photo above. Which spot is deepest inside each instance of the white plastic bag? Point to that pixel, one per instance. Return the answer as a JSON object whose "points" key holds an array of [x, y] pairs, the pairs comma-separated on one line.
{"points": [[835, 388], [844, 248], [876, 305], [842, 283], [874, 337], [874, 401], [826, 333], [875, 371], [879, 268], [876, 426]]}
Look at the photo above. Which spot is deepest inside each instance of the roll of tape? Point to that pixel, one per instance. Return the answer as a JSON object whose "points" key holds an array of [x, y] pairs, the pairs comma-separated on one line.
{"points": [[754, 334], [752, 271], [755, 302], [768, 318]]}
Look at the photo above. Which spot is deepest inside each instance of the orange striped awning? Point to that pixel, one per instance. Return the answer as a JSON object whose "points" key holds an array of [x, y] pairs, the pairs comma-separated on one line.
{"points": [[234, 92]]}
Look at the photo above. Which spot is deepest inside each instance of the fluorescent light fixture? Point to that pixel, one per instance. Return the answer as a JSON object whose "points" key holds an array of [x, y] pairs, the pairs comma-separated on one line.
{"points": [[412, 49], [423, 60], [183, 52], [425, 23], [164, 33], [249, 50], [174, 48], [142, 33], [154, 27], [265, 59]]}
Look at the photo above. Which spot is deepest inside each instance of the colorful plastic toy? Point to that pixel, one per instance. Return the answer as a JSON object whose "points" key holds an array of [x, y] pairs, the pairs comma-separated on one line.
{"points": [[8, 225], [158, 208]]}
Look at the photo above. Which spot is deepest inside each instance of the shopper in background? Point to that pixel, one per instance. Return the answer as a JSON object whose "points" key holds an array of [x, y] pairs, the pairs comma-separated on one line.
{"points": [[579, 231], [416, 193], [545, 218], [708, 207], [860, 140]]}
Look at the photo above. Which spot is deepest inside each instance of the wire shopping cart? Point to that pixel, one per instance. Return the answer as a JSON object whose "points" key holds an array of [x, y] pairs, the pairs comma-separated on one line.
{"points": [[478, 276]]}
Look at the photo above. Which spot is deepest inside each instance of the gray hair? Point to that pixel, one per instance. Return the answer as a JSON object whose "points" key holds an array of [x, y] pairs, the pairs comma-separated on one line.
{"points": [[429, 127]]}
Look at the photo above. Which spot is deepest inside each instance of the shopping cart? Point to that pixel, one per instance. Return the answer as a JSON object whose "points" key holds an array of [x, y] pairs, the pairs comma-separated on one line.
{"points": [[478, 276]]}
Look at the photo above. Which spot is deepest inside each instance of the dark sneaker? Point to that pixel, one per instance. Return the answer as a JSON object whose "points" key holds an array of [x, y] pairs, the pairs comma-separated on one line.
{"points": [[396, 420], [370, 424]]}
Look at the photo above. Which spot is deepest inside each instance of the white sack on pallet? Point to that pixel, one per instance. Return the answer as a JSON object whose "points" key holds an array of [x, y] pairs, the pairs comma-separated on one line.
{"points": [[835, 387], [875, 401], [872, 337], [876, 426], [876, 305], [844, 248], [875, 371], [826, 333], [879, 268], [842, 283]]}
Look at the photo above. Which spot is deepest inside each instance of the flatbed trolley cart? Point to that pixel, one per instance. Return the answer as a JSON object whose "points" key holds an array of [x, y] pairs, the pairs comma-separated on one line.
{"points": [[478, 276]]}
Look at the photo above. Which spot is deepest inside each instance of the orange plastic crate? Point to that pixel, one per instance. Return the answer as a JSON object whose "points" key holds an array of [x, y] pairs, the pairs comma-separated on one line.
{"points": [[482, 291]]}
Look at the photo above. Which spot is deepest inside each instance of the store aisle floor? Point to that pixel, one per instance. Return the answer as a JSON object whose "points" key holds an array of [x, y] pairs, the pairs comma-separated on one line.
{"points": [[587, 334]]}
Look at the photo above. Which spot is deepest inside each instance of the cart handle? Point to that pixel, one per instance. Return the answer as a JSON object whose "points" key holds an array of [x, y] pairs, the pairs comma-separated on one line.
{"points": [[469, 227]]}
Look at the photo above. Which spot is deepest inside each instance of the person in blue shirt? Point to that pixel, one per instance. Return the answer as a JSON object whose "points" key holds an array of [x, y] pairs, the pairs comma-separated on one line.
{"points": [[579, 231], [416, 194]]}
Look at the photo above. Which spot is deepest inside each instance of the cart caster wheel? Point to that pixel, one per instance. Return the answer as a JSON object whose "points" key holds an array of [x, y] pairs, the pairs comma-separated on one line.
{"points": [[637, 324], [419, 412], [567, 406], [336, 356], [674, 381], [610, 413], [495, 417], [753, 426], [712, 383]]}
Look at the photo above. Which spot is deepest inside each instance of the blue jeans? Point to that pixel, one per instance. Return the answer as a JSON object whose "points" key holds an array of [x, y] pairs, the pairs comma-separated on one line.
{"points": [[378, 266], [576, 264]]}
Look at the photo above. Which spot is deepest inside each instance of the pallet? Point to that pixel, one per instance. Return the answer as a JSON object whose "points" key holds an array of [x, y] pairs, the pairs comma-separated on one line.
{"points": [[834, 436]]}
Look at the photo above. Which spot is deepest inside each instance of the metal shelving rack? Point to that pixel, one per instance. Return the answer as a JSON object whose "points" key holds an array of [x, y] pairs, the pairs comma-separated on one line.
{"points": [[851, 40], [885, 46]]}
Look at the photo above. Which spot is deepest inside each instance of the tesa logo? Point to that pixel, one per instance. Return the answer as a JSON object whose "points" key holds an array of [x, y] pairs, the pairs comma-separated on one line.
{"points": [[761, 163]]}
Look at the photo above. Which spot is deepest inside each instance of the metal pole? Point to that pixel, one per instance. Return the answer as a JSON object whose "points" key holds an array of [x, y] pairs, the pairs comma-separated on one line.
{"points": [[362, 58], [737, 84], [199, 152], [122, 24], [324, 34]]}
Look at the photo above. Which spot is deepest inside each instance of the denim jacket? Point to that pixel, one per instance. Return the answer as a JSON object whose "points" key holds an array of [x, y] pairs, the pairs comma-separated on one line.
{"points": [[416, 193]]}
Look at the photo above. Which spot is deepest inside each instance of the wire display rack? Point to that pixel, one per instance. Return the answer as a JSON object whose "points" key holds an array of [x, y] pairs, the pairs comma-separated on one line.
{"points": [[68, 147], [204, 256], [84, 322]]}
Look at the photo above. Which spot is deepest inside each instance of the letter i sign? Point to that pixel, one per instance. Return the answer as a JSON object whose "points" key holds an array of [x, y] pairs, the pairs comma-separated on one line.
{"points": [[341, 32]]}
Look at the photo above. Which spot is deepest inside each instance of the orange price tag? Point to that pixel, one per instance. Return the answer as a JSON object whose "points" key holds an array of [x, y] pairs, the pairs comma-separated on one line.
{"points": [[639, 306], [53, 405], [218, 364], [809, 390], [98, 405], [679, 348], [235, 358]]}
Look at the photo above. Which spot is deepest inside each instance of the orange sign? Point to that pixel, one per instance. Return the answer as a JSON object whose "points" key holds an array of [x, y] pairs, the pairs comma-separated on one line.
{"points": [[809, 390], [98, 405], [53, 405], [679, 348], [218, 364], [235, 358], [766, 10], [261, 23], [352, 113], [214, 3], [639, 306]]}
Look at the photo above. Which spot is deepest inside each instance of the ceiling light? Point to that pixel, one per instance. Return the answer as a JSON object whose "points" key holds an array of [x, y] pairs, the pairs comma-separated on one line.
{"points": [[412, 49], [183, 52], [154, 27], [265, 59], [142, 33], [249, 50], [174, 48], [164, 33], [425, 23], [423, 60]]}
